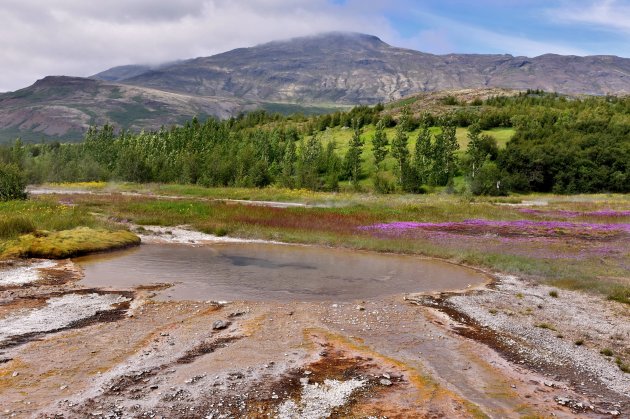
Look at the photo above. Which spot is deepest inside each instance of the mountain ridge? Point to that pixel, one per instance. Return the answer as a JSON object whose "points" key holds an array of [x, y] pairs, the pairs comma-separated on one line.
{"points": [[327, 70]]}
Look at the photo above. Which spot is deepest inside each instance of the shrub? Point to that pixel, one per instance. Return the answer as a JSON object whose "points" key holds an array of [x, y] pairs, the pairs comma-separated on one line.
{"points": [[12, 183], [383, 183], [488, 181]]}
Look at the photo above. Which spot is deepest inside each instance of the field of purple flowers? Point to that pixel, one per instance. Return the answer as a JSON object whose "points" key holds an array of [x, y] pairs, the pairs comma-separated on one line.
{"points": [[583, 249]]}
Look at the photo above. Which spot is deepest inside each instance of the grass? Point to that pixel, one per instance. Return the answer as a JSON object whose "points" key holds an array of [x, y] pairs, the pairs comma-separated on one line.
{"points": [[337, 225], [341, 137], [68, 243], [622, 366], [619, 293], [42, 228], [547, 326]]}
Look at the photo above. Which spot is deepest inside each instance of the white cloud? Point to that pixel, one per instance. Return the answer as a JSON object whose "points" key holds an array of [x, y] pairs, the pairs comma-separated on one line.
{"points": [[77, 37], [610, 15], [448, 32]]}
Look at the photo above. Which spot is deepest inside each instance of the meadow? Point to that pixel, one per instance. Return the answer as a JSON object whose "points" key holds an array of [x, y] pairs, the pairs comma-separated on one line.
{"points": [[574, 242]]}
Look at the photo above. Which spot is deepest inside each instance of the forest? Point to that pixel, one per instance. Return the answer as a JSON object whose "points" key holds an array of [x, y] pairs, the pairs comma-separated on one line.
{"points": [[560, 144]]}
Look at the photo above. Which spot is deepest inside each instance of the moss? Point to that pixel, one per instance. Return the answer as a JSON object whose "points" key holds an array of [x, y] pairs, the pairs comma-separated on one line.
{"points": [[68, 243]]}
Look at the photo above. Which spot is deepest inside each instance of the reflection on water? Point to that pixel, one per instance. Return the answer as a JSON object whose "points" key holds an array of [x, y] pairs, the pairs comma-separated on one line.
{"points": [[246, 271]]}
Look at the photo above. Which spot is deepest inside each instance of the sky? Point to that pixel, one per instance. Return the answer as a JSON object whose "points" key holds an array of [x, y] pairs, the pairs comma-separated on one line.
{"points": [[83, 37]]}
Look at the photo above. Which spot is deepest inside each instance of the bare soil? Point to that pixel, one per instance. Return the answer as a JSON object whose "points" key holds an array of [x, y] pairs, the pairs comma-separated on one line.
{"points": [[414, 356]]}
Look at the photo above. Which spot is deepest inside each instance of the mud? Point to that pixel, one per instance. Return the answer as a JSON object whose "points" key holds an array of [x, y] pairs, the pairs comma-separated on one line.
{"points": [[396, 357]]}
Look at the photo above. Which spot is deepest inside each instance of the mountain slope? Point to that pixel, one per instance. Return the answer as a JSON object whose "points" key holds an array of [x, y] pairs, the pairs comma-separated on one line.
{"points": [[64, 107], [320, 72], [352, 68]]}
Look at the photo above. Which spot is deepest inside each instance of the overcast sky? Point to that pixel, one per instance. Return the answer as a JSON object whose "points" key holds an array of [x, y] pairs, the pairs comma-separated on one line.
{"points": [[83, 37]]}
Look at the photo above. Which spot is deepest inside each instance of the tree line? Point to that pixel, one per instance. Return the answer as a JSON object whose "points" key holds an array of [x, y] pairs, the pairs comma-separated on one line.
{"points": [[561, 144]]}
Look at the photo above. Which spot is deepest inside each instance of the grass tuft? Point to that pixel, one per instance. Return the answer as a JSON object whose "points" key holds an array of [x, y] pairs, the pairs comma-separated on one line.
{"points": [[13, 226], [68, 243], [620, 293]]}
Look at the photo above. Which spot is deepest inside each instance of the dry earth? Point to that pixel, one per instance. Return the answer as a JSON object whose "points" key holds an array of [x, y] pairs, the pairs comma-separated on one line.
{"points": [[71, 352]]}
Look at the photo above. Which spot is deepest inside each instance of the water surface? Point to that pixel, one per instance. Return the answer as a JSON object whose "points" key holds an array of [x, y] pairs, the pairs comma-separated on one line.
{"points": [[247, 271]]}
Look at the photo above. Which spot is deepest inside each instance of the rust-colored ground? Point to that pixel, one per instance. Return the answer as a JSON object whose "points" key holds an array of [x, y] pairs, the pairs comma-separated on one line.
{"points": [[165, 359]]}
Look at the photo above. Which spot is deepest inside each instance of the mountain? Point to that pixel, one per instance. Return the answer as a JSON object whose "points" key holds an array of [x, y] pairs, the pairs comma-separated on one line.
{"points": [[324, 71], [352, 68], [64, 107]]}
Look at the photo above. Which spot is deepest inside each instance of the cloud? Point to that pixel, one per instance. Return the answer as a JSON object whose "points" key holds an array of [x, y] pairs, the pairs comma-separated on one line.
{"points": [[80, 38], [77, 37], [611, 15], [448, 32]]}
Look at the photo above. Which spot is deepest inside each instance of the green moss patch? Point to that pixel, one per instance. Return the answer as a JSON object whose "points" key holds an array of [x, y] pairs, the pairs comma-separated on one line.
{"points": [[68, 243]]}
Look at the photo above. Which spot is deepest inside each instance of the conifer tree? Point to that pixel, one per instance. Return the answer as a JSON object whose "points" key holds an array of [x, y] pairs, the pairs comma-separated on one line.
{"points": [[353, 155], [379, 145], [443, 153], [400, 152], [423, 158]]}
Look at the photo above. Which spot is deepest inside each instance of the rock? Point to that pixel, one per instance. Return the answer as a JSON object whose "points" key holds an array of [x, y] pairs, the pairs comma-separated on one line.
{"points": [[360, 308], [614, 413], [385, 382], [220, 324], [386, 376], [15, 374]]}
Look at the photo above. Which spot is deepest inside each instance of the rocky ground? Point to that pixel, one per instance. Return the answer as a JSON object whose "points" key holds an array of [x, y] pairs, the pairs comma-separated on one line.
{"points": [[71, 352]]}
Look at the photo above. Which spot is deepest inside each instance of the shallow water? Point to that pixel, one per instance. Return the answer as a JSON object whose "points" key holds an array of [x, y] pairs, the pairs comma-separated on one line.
{"points": [[246, 271]]}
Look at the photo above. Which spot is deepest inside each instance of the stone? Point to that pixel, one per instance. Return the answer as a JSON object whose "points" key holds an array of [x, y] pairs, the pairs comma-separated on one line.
{"points": [[220, 324]]}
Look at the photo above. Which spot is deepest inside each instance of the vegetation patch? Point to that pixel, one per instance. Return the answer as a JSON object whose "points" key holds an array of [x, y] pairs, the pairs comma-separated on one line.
{"points": [[68, 243]]}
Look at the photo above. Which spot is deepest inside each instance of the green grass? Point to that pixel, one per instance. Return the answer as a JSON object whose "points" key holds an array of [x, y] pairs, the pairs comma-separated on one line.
{"points": [[43, 228], [288, 109], [131, 112], [341, 137], [68, 243], [204, 210]]}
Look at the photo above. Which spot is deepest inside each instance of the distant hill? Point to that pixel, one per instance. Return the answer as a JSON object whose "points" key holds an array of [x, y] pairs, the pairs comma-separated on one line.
{"points": [[310, 74], [64, 107]]}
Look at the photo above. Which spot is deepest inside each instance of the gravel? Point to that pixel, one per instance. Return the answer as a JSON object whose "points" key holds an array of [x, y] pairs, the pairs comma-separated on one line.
{"points": [[517, 310]]}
